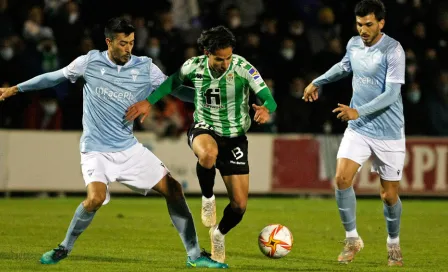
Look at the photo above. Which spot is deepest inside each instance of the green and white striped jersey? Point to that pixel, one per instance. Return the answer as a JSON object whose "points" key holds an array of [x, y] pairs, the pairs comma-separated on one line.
{"points": [[223, 103]]}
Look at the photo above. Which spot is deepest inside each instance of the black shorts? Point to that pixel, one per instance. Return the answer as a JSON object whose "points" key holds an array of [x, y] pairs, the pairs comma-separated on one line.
{"points": [[232, 152]]}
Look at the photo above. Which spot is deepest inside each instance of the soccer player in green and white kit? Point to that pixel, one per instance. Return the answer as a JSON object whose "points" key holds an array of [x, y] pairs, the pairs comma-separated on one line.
{"points": [[222, 81]]}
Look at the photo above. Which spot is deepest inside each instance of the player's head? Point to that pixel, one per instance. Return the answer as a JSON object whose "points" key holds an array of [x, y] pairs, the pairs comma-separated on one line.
{"points": [[218, 43], [119, 34], [370, 16]]}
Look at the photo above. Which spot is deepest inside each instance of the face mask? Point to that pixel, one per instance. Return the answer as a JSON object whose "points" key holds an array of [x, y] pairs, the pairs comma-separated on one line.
{"points": [[414, 97], [153, 51], [7, 53], [50, 108], [72, 18], [297, 31], [296, 94], [288, 53], [235, 22]]}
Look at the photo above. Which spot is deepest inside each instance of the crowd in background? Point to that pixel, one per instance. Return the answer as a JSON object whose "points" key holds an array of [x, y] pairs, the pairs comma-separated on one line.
{"points": [[290, 42]]}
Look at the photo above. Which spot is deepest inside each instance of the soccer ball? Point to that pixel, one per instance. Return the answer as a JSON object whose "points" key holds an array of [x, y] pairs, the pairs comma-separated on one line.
{"points": [[275, 241]]}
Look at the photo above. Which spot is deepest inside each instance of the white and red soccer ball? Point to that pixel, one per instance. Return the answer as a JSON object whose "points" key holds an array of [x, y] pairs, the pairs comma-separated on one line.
{"points": [[275, 241]]}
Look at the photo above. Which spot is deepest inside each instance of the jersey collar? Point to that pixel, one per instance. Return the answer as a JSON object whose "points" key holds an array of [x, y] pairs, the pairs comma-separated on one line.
{"points": [[106, 55], [375, 45], [210, 72]]}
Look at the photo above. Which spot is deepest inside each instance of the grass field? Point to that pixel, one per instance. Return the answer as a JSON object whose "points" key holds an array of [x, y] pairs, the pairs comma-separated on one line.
{"points": [[135, 234]]}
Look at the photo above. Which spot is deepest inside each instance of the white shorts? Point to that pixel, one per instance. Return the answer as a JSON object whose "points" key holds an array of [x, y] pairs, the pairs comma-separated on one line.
{"points": [[136, 167], [388, 155]]}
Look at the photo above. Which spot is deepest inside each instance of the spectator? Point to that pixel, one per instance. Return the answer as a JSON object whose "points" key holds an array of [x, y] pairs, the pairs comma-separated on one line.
{"points": [[44, 112]]}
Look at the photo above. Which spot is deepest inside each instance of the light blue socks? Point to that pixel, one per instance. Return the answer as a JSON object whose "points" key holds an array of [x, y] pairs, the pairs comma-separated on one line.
{"points": [[81, 220]]}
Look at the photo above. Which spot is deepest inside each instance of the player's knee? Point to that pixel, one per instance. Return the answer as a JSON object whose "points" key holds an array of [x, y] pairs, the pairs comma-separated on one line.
{"points": [[239, 207], [175, 191], [389, 197], [342, 181], [207, 158], [94, 202]]}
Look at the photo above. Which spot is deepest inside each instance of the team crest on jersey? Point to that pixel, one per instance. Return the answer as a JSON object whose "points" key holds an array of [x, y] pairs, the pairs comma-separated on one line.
{"points": [[134, 74], [230, 77], [103, 71]]}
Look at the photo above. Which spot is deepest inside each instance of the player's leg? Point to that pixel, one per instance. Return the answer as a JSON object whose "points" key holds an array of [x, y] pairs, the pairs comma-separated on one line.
{"points": [[97, 171], [96, 195], [234, 167], [353, 152], [238, 190], [183, 221], [180, 214], [389, 156], [205, 148], [346, 170], [392, 212], [143, 171]]}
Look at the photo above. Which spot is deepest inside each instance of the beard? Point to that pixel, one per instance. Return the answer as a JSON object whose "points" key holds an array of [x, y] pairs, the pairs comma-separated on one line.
{"points": [[371, 39]]}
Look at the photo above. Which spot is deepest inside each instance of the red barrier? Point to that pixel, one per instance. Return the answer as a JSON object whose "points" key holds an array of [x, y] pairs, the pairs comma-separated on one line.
{"points": [[296, 168]]}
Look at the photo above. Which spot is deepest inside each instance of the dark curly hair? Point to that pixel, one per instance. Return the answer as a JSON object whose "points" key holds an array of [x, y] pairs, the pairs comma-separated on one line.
{"points": [[365, 7], [216, 38]]}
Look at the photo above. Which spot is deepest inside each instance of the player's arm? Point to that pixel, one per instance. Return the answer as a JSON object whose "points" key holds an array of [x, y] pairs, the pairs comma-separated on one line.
{"points": [[396, 63], [170, 84], [257, 84], [182, 92], [47, 80], [335, 73], [142, 108], [173, 82]]}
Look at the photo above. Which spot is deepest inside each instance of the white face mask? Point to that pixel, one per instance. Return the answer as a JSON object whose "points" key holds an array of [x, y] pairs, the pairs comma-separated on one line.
{"points": [[235, 22], [7, 53], [288, 53], [414, 97], [50, 108], [153, 51], [73, 17], [297, 30]]}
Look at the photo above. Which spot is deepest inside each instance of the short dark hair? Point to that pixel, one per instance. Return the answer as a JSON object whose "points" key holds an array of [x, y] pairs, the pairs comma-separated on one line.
{"points": [[365, 7], [216, 38], [118, 25]]}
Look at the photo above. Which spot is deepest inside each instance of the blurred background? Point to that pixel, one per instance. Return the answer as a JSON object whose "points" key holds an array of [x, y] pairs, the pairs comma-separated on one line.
{"points": [[289, 41]]}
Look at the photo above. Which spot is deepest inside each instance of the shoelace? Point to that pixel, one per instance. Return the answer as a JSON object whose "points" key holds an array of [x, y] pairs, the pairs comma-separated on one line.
{"points": [[394, 253], [347, 244], [60, 251], [208, 206]]}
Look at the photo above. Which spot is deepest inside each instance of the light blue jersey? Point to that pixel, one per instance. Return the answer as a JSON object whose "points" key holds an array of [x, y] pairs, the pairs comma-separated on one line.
{"points": [[378, 72], [372, 67], [109, 90]]}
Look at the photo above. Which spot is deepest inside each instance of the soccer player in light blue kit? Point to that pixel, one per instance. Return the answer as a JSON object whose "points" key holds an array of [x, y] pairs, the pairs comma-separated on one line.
{"points": [[115, 80], [375, 124]]}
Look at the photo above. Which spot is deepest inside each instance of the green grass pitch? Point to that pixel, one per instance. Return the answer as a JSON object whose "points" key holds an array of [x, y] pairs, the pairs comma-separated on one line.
{"points": [[135, 234]]}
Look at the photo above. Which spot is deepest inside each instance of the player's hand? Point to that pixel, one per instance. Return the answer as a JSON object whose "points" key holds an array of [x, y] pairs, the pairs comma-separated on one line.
{"points": [[310, 93], [261, 114], [346, 113], [141, 108], [7, 92]]}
